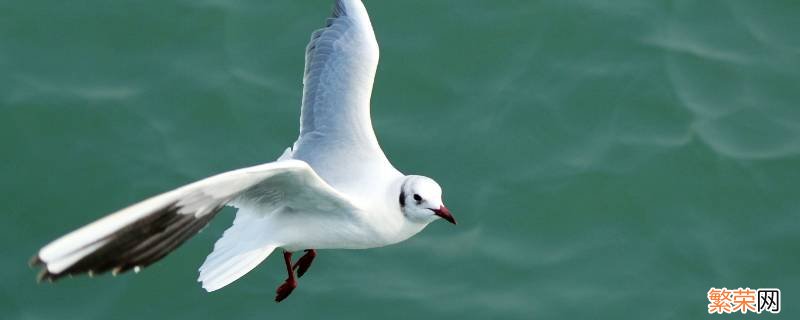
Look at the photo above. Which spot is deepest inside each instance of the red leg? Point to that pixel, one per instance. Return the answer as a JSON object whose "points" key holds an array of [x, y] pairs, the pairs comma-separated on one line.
{"points": [[286, 288], [304, 262]]}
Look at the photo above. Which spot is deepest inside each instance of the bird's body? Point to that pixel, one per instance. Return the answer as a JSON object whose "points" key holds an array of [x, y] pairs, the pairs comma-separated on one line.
{"points": [[333, 189]]}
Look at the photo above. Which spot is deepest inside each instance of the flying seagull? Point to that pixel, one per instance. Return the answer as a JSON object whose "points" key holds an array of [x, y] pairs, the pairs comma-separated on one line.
{"points": [[333, 189]]}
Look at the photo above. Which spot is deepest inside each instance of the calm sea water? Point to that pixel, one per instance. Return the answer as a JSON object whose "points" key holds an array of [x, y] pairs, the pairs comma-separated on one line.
{"points": [[605, 159]]}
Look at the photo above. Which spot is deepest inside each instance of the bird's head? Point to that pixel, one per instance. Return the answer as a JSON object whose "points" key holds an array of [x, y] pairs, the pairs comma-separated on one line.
{"points": [[421, 200]]}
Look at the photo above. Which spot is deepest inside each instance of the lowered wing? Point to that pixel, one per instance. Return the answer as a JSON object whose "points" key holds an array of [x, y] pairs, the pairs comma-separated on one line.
{"points": [[145, 232]]}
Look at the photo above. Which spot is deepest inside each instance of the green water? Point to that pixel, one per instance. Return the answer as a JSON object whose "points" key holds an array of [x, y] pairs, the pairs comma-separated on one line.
{"points": [[605, 159]]}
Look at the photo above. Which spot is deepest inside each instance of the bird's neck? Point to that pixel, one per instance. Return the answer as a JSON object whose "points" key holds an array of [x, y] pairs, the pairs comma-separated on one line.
{"points": [[387, 218]]}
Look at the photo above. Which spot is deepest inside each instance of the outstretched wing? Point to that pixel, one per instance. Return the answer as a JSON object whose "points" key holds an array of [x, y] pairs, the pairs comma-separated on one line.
{"points": [[341, 60], [145, 232]]}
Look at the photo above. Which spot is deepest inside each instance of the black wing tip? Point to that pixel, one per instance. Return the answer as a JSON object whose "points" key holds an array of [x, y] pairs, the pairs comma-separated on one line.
{"points": [[135, 246], [45, 275], [35, 261]]}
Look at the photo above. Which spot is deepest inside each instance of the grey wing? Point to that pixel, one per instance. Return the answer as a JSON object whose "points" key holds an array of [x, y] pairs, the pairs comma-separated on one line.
{"points": [[145, 232], [341, 60]]}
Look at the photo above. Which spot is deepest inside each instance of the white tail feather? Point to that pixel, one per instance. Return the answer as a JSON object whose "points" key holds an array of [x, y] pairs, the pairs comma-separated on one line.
{"points": [[242, 247], [216, 276]]}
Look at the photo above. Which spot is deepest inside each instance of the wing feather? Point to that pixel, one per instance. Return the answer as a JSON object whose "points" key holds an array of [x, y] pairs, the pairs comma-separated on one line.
{"points": [[146, 232], [341, 61]]}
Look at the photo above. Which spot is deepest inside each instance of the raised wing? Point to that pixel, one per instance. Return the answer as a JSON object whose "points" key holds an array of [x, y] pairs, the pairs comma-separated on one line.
{"points": [[341, 60], [144, 233]]}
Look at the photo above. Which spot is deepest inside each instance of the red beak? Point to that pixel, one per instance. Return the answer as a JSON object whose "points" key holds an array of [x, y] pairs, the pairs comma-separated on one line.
{"points": [[444, 213]]}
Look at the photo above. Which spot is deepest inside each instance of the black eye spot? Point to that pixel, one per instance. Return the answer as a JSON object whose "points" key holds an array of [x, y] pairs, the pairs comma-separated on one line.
{"points": [[417, 197]]}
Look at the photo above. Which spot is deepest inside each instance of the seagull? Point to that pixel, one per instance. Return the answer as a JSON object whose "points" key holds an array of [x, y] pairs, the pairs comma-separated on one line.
{"points": [[333, 189]]}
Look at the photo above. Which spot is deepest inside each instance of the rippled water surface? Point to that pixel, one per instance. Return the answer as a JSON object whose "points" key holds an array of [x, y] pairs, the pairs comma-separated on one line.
{"points": [[605, 159]]}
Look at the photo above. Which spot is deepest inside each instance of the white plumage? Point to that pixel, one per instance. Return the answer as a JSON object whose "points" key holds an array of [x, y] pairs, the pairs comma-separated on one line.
{"points": [[334, 189]]}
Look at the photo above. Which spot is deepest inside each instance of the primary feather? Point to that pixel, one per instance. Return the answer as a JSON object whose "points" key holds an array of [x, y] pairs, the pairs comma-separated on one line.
{"points": [[144, 233]]}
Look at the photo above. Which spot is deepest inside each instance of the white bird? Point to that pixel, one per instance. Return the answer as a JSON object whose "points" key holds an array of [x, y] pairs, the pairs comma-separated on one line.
{"points": [[333, 189]]}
